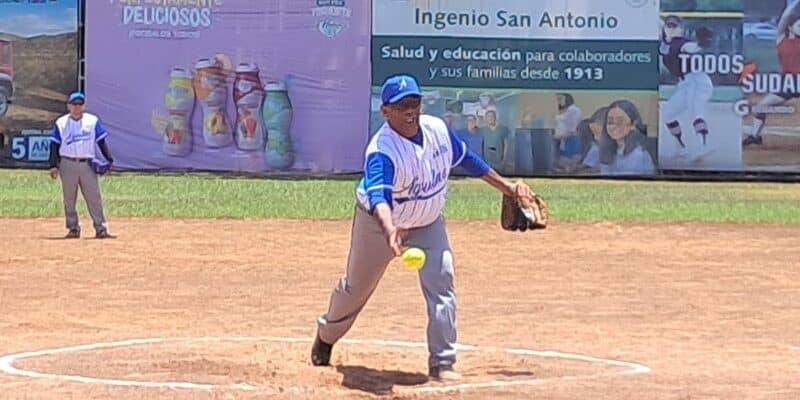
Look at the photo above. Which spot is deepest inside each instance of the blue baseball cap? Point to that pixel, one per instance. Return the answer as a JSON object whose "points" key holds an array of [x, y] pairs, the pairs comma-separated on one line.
{"points": [[397, 87], [76, 96]]}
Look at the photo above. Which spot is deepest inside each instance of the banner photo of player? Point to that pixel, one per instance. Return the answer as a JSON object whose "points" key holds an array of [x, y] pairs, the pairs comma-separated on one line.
{"points": [[771, 83], [535, 89], [700, 63]]}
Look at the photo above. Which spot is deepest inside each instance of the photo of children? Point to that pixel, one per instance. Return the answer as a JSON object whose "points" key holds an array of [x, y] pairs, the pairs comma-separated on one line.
{"points": [[529, 133], [581, 137]]}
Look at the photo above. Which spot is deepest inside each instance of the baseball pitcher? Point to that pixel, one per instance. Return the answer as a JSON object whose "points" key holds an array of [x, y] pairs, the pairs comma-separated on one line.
{"points": [[399, 203]]}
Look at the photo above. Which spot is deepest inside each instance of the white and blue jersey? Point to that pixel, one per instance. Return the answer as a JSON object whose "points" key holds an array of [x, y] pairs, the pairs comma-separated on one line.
{"points": [[77, 138], [410, 175]]}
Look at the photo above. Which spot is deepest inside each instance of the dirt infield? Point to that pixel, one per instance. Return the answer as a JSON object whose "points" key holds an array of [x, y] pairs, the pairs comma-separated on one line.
{"points": [[711, 309]]}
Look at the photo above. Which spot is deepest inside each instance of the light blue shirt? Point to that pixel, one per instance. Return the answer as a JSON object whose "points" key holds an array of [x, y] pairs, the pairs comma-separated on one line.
{"points": [[637, 162]]}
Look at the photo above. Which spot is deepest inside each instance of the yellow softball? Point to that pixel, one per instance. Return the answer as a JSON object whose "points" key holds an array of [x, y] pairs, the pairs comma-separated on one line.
{"points": [[413, 258]]}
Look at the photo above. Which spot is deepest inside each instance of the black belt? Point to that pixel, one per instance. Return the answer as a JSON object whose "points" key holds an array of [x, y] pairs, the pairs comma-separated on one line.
{"points": [[77, 159]]}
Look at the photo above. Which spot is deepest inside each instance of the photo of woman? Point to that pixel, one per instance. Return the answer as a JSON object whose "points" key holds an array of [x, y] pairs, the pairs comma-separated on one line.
{"points": [[622, 143]]}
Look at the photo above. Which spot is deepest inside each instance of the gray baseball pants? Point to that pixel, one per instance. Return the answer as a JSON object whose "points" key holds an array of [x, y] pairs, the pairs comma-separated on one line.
{"points": [[369, 256], [79, 174]]}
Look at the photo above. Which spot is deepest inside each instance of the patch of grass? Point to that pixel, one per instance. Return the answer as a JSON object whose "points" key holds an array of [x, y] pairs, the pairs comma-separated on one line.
{"points": [[33, 194]]}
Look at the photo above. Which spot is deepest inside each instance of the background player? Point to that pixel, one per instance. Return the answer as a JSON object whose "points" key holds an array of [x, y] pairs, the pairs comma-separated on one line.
{"points": [[788, 46], [399, 203], [694, 88], [71, 152]]}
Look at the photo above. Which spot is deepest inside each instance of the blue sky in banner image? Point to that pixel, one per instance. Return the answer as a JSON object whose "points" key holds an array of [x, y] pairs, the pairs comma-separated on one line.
{"points": [[38, 17]]}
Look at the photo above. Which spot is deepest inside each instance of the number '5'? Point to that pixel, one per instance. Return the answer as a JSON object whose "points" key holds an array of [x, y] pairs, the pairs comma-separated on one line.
{"points": [[18, 147]]}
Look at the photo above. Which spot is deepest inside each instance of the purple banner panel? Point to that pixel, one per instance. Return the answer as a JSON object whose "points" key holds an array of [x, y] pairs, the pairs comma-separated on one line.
{"points": [[231, 85]]}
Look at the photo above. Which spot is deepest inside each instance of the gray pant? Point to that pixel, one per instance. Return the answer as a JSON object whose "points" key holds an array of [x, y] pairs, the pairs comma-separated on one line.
{"points": [[369, 256], [75, 174]]}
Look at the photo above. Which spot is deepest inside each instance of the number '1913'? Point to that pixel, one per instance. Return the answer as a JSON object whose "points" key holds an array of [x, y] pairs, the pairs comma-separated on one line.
{"points": [[588, 73]]}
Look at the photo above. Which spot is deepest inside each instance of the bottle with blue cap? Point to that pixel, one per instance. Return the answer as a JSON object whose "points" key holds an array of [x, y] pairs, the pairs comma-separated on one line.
{"points": [[277, 113]]}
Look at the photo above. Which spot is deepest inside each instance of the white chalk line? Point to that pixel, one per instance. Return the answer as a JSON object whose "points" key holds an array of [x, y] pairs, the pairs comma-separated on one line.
{"points": [[7, 364]]}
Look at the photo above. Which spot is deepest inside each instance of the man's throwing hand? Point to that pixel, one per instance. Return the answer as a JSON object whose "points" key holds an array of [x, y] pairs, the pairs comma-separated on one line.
{"points": [[395, 239]]}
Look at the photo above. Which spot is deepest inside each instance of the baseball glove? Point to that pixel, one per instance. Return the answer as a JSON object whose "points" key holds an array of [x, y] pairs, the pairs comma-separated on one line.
{"points": [[525, 210], [704, 36], [100, 167]]}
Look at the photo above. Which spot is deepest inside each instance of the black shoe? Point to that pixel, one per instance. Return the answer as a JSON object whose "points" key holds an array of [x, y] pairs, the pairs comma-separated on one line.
{"points": [[73, 234], [321, 352], [750, 139], [104, 235]]}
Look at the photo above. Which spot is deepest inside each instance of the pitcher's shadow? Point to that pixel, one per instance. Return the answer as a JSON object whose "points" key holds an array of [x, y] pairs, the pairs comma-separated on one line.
{"points": [[378, 382], [58, 237]]}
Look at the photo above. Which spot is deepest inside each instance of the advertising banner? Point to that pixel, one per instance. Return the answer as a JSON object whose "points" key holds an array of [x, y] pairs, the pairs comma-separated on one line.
{"points": [[231, 85], [536, 88], [38, 69], [701, 68], [771, 86], [729, 85]]}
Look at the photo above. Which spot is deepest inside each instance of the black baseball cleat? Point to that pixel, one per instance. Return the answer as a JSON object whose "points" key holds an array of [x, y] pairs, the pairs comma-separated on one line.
{"points": [[73, 234], [321, 352]]}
